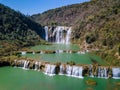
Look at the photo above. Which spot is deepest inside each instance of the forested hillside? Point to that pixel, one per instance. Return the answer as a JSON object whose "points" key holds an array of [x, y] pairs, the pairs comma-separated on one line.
{"points": [[96, 22], [16, 26], [17, 31]]}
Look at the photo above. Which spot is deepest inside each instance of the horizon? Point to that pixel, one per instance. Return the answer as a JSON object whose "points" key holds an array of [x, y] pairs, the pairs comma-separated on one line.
{"points": [[30, 8]]}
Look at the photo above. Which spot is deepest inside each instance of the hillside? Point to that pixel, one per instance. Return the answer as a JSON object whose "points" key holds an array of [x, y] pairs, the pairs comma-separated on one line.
{"points": [[17, 30], [96, 22], [16, 26]]}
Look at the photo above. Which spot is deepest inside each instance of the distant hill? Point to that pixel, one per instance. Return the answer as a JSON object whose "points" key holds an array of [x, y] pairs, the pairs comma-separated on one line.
{"points": [[97, 22], [16, 26]]}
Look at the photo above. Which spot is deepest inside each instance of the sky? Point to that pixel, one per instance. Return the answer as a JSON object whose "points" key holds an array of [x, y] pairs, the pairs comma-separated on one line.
{"points": [[30, 7]]}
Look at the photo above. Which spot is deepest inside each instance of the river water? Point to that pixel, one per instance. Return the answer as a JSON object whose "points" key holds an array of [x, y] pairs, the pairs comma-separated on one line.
{"points": [[14, 78], [63, 56]]}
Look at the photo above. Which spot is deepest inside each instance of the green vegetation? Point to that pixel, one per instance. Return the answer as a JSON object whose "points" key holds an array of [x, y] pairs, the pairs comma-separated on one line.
{"points": [[16, 26], [71, 63], [17, 31], [90, 38], [97, 22]]}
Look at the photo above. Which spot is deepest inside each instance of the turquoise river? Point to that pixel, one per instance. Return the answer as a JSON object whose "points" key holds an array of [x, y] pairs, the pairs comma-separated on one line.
{"points": [[14, 78]]}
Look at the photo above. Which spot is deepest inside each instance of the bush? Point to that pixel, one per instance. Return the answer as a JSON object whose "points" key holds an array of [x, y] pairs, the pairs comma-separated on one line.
{"points": [[90, 38], [71, 63]]}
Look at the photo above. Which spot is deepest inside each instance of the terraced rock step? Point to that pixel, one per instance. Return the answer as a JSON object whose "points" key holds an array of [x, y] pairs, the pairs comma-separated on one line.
{"points": [[69, 69], [52, 52]]}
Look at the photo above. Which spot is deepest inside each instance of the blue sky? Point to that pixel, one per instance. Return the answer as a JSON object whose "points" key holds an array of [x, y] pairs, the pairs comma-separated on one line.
{"points": [[37, 6]]}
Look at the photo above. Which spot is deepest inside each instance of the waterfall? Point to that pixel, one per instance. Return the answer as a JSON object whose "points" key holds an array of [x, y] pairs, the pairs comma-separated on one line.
{"points": [[22, 63], [26, 63], [46, 33], [62, 69], [74, 71], [102, 72], [90, 71], [41, 52], [33, 53], [58, 51], [68, 70], [59, 34], [116, 73], [68, 35], [99, 72], [37, 65], [50, 69], [81, 52], [105, 72], [77, 72], [23, 52]]}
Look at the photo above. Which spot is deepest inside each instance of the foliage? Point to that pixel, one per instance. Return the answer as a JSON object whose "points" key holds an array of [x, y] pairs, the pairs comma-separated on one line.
{"points": [[90, 38], [71, 63], [96, 21], [17, 31], [16, 26]]}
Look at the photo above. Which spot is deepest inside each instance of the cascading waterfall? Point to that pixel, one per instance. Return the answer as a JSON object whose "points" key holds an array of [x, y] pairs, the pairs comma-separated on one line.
{"points": [[59, 34], [23, 52], [73, 71], [116, 73], [59, 51], [50, 69], [68, 36], [62, 70], [26, 63], [33, 53], [99, 72], [46, 33], [68, 70], [102, 72], [37, 65], [77, 72], [90, 71], [41, 52]]}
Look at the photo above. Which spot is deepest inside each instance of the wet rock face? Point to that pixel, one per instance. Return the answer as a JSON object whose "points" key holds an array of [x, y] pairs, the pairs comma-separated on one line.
{"points": [[57, 69], [85, 71], [4, 63], [31, 65]]}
